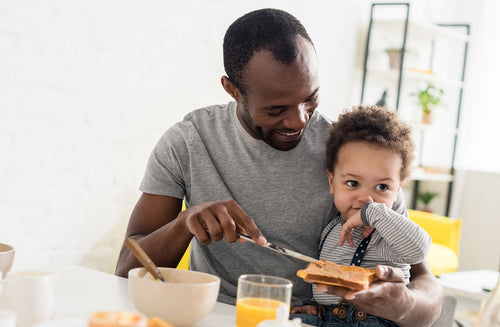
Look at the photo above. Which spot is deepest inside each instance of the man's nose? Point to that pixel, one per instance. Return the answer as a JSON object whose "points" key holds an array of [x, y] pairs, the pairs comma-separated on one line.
{"points": [[296, 118]]}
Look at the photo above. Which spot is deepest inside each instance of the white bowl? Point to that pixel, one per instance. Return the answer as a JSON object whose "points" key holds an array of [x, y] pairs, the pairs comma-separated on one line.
{"points": [[6, 258], [184, 298]]}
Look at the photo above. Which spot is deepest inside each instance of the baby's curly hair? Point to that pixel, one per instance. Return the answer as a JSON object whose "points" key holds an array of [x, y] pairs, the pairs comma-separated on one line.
{"points": [[375, 125]]}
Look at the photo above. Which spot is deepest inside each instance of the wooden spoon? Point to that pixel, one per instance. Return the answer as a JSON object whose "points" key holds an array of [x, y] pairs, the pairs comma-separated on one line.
{"points": [[144, 258]]}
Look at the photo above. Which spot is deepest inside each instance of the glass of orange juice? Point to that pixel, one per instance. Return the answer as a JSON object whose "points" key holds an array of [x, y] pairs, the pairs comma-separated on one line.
{"points": [[258, 298]]}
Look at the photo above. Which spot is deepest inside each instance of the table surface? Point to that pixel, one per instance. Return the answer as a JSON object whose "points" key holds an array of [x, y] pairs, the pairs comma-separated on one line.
{"points": [[470, 284], [469, 288], [81, 291]]}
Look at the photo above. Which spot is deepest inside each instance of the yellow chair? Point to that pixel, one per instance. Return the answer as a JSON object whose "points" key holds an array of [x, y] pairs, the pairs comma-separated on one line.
{"points": [[184, 263], [445, 233]]}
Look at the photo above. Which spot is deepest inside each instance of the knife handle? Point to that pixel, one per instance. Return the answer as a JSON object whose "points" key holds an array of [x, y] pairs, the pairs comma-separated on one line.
{"points": [[246, 237]]}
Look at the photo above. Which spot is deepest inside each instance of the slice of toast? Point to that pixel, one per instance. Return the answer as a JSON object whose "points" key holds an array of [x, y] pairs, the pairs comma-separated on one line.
{"points": [[326, 272], [158, 322]]}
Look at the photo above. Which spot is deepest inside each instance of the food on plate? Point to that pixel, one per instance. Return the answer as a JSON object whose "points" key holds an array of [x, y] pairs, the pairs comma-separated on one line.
{"points": [[158, 322], [117, 319], [326, 272], [124, 319]]}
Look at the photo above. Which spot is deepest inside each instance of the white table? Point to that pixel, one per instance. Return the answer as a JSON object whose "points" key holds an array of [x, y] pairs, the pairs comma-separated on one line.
{"points": [[81, 291], [468, 287]]}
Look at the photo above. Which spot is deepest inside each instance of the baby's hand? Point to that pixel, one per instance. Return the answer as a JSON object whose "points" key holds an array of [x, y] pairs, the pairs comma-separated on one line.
{"points": [[346, 231], [309, 309]]}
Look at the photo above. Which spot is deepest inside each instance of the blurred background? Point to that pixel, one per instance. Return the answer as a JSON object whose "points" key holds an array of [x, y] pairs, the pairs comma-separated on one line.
{"points": [[88, 87]]}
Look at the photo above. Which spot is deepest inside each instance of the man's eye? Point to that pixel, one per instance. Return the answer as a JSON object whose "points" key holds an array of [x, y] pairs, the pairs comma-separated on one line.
{"points": [[352, 183], [382, 187], [313, 98], [274, 113]]}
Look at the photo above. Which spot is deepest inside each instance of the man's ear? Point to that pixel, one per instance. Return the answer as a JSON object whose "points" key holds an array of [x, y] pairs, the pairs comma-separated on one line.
{"points": [[231, 89], [330, 179]]}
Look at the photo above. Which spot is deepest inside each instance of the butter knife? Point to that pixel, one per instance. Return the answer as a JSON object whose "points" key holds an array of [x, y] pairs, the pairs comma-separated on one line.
{"points": [[281, 250]]}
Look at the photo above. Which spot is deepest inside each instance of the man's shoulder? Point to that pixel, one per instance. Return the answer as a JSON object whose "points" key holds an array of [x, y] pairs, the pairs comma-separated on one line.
{"points": [[201, 124], [317, 129], [210, 113], [322, 118], [320, 121], [205, 118]]}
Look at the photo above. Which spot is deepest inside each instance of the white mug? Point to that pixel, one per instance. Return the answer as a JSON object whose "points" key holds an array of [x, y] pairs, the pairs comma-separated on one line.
{"points": [[31, 295]]}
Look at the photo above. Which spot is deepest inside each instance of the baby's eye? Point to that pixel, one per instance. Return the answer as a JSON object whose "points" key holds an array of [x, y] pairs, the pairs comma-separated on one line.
{"points": [[352, 183], [382, 187]]}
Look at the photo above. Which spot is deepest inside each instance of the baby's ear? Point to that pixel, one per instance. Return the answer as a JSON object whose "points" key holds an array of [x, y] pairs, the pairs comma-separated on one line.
{"points": [[401, 183], [329, 173], [399, 190]]}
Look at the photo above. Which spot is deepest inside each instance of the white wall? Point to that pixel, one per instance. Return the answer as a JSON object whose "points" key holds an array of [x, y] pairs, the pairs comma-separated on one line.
{"points": [[87, 88], [478, 149], [480, 244]]}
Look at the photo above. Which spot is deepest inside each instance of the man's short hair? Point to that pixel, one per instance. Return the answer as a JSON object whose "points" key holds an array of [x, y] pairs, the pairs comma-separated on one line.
{"points": [[265, 29]]}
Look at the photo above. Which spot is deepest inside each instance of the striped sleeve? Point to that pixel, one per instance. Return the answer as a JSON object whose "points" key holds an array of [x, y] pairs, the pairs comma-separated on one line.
{"points": [[408, 241]]}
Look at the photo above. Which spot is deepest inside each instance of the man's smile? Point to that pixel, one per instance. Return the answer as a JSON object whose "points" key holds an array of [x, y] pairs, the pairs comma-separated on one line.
{"points": [[288, 136], [289, 133]]}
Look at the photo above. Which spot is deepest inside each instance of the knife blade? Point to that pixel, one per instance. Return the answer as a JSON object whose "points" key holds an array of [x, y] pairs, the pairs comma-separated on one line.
{"points": [[281, 250]]}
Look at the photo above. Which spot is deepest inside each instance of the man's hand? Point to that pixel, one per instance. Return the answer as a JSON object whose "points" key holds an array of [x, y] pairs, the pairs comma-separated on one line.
{"points": [[387, 297], [164, 231], [309, 309], [213, 221]]}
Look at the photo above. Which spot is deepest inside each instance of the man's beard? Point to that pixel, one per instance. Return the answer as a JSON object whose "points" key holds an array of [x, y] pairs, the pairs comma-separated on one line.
{"points": [[247, 120]]}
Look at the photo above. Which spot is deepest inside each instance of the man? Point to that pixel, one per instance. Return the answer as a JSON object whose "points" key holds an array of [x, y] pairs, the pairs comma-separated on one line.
{"points": [[255, 167]]}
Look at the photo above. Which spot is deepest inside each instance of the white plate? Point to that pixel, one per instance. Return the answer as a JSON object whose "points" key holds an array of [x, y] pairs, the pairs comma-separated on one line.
{"points": [[64, 323]]}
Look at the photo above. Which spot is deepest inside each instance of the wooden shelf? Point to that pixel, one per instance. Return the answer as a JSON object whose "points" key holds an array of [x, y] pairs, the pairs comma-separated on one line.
{"points": [[419, 29], [420, 174], [427, 46], [393, 74], [418, 126]]}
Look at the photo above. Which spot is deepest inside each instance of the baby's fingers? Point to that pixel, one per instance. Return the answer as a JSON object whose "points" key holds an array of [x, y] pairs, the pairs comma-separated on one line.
{"points": [[349, 238], [346, 233], [342, 238]]}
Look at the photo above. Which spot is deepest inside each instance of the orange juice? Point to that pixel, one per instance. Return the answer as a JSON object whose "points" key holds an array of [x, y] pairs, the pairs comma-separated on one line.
{"points": [[251, 311]]}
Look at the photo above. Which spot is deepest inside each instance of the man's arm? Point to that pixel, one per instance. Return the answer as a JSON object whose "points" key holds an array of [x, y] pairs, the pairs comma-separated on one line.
{"points": [[418, 304], [427, 294], [164, 231], [152, 224]]}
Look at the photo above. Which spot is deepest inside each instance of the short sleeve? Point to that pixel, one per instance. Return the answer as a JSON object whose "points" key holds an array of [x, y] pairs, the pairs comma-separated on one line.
{"points": [[168, 164]]}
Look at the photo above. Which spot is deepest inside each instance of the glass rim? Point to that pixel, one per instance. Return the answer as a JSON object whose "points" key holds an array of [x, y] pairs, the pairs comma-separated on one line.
{"points": [[268, 280]]}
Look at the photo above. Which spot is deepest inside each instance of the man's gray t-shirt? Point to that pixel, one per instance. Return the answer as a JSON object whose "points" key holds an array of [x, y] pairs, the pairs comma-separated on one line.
{"points": [[209, 156]]}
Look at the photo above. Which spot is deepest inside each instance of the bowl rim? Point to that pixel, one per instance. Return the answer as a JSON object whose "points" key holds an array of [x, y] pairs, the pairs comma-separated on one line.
{"points": [[8, 248], [134, 274]]}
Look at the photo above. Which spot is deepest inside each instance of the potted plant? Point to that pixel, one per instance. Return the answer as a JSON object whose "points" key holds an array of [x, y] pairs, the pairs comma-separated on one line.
{"points": [[394, 57], [428, 98], [426, 197]]}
